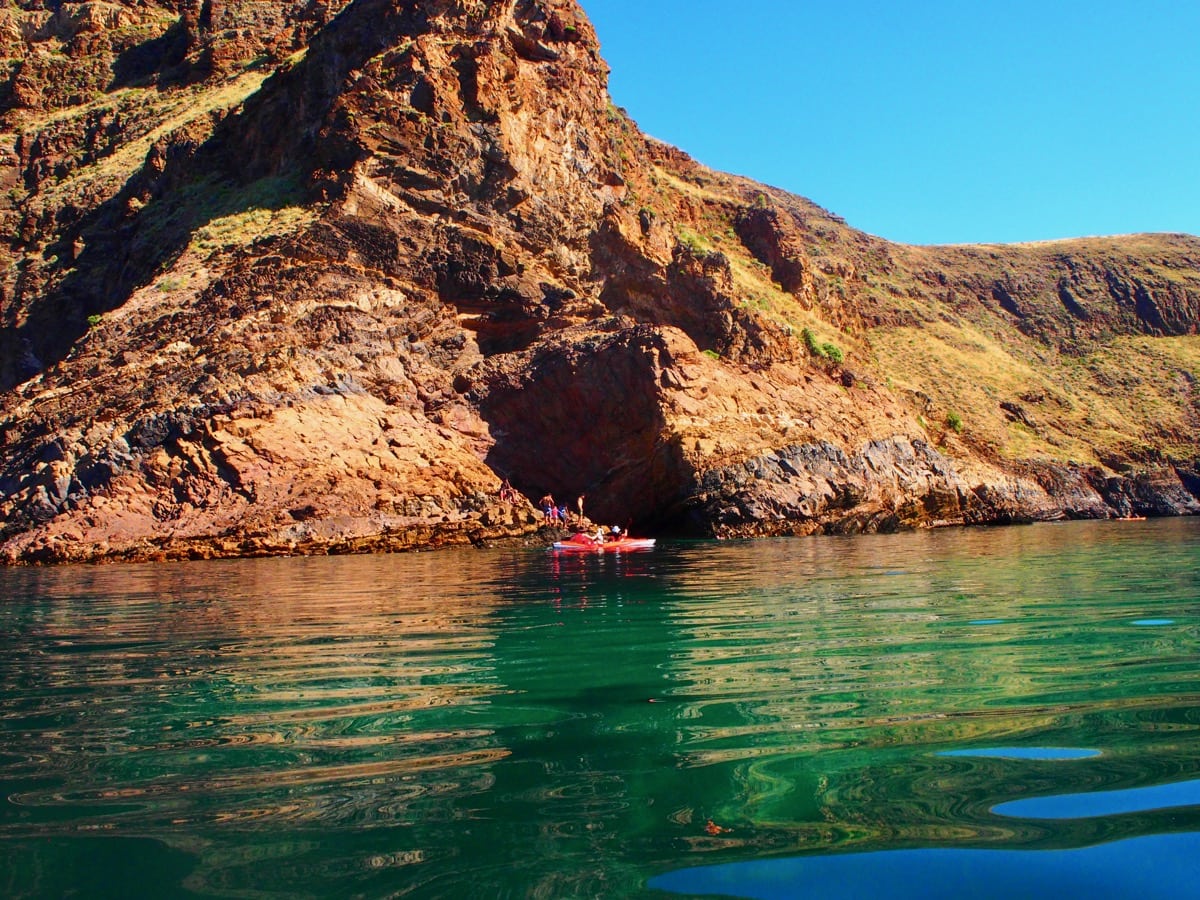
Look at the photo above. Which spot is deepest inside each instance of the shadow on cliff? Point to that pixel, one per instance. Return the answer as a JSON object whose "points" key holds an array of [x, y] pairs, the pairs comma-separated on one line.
{"points": [[121, 253], [585, 420], [263, 157], [161, 60]]}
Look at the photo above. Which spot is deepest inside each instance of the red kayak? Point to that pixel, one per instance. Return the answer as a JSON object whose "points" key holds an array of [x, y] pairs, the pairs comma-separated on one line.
{"points": [[589, 544]]}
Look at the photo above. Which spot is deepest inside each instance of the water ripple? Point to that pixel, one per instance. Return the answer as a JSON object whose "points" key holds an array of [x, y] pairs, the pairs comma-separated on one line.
{"points": [[428, 723]]}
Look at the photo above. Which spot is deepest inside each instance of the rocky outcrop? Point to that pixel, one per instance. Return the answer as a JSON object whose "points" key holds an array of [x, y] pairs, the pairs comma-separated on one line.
{"points": [[64, 54], [264, 297]]}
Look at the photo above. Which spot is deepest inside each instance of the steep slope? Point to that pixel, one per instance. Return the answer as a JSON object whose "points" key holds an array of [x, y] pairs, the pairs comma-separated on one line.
{"points": [[268, 299]]}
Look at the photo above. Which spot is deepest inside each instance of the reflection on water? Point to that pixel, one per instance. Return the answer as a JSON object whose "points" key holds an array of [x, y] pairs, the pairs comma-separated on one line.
{"points": [[1162, 867], [554, 725], [1104, 803], [1026, 752]]}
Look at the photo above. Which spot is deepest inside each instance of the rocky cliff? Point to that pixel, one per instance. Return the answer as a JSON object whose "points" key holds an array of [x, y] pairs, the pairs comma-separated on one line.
{"points": [[316, 276]]}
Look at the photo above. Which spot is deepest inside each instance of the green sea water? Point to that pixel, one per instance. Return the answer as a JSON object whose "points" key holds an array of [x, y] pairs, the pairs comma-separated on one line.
{"points": [[989, 712]]}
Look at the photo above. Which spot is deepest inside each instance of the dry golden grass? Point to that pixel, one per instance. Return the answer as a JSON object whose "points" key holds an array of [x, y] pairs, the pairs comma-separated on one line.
{"points": [[1090, 399], [197, 103], [1129, 395], [690, 189], [170, 112], [1148, 390], [247, 226]]}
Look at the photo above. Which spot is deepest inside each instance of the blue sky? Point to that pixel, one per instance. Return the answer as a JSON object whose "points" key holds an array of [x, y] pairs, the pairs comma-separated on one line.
{"points": [[929, 122]]}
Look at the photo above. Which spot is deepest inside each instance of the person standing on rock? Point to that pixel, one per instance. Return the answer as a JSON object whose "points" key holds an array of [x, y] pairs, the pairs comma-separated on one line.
{"points": [[579, 503], [548, 508]]}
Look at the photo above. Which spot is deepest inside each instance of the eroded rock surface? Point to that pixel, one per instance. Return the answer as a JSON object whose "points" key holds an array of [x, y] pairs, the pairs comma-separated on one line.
{"points": [[315, 277]]}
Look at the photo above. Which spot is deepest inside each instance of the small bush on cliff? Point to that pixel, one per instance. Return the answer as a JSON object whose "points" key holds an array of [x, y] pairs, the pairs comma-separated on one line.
{"points": [[694, 243], [823, 351], [954, 422]]}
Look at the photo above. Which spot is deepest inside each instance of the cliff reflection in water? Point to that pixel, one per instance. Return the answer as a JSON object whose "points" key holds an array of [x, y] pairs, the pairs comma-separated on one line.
{"points": [[551, 725], [826, 706], [241, 682]]}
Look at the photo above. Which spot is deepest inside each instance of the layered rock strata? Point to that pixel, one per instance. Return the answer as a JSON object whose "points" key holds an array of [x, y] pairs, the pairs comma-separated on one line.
{"points": [[315, 278]]}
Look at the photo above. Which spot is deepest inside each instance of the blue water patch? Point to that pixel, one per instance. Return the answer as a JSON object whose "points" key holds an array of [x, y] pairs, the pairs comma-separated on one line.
{"points": [[1051, 753], [1153, 621], [987, 621], [1161, 867], [1104, 803]]}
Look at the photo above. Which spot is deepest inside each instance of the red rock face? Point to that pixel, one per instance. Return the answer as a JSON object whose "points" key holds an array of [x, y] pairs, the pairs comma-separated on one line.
{"points": [[328, 310]]}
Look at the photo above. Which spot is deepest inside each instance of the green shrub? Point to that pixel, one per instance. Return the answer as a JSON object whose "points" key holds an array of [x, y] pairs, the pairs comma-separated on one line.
{"points": [[954, 422], [833, 353], [824, 351], [712, 354], [694, 243]]}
